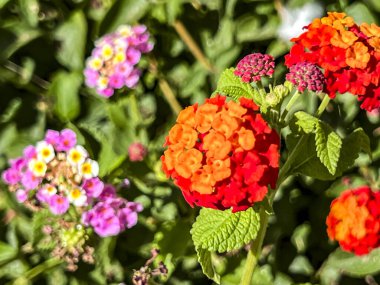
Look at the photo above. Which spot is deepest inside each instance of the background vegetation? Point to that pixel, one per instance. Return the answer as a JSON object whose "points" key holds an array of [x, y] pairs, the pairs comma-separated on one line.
{"points": [[43, 47]]}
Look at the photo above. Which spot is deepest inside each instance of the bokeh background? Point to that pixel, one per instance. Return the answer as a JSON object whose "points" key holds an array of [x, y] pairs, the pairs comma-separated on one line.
{"points": [[43, 47]]}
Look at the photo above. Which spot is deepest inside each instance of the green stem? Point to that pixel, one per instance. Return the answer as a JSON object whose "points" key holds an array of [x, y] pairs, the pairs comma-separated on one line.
{"points": [[323, 105], [41, 268], [290, 104], [255, 250]]}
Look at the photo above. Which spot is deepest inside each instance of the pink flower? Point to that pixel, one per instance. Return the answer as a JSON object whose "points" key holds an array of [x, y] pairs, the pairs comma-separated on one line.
{"points": [[137, 151], [67, 140], [11, 176], [112, 64], [110, 217], [109, 191], [93, 187], [21, 195], [52, 137], [30, 152], [58, 204], [29, 181]]}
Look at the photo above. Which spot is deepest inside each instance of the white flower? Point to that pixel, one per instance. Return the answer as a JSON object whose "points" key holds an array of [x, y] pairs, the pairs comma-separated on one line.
{"points": [[107, 52], [37, 167], [45, 151], [293, 20], [77, 197], [102, 82], [49, 190], [89, 169], [77, 155], [124, 30]]}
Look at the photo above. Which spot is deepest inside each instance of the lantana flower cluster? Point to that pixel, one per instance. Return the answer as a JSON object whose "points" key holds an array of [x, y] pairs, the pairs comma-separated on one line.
{"points": [[348, 53], [112, 64], [58, 173], [222, 154], [354, 220], [253, 67]]}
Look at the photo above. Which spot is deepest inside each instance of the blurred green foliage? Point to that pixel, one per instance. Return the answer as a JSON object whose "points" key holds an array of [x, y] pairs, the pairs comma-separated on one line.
{"points": [[43, 46]]}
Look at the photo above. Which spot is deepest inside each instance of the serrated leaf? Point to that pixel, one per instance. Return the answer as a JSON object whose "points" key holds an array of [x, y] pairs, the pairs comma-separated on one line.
{"points": [[72, 36], [223, 231], [310, 164], [328, 145], [231, 85], [204, 258], [306, 122], [65, 88], [353, 265]]}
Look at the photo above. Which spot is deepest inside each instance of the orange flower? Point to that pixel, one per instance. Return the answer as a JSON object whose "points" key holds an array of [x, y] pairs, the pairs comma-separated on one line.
{"points": [[344, 39], [186, 116], [188, 162], [183, 134], [225, 124], [171, 155], [353, 218], [213, 172], [220, 168], [246, 139], [357, 56], [216, 145], [203, 181], [235, 110], [337, 20], [204, 117], [375, 43], [372, 30]]}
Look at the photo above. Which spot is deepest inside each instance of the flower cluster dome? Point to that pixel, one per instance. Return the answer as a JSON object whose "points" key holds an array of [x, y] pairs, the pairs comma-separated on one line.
{"points": [[222, 154], [57, 173], [348, 53], [354, 220], [112, 64]]}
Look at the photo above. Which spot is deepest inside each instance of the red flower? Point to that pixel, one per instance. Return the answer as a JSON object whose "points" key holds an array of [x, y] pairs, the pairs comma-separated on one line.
{"points": [[354, 220], [222, 154], [348, 53]]}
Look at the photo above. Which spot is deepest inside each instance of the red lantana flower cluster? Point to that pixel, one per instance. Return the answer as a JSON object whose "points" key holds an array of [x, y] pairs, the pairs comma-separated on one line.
{"points": [[348, 53], [222, 154], [354, 220]]}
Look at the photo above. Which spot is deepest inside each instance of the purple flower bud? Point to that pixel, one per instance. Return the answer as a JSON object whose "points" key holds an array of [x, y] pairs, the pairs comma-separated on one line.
{"points": [[255, 66], [306, 75], [137, 151]]}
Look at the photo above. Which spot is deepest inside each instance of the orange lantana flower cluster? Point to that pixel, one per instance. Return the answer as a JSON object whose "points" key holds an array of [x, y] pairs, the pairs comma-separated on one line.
{"points": [[348, 53], [354, 220], [222, 154]]}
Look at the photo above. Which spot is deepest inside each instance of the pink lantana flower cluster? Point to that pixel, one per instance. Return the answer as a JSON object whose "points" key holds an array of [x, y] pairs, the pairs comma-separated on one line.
{"points": [[112, 64], [57, 173]]}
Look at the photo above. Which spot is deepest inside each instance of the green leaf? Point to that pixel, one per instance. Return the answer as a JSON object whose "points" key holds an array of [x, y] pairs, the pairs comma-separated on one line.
{"points": [[205, 260], [124, 12], [360, 13], [328, 145], [65, 89], [231, 85], [30, 9], [7, 252], [306, 122], [72, 35], [11, 110], [223, 231], [308, 163], [351, 264]]}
